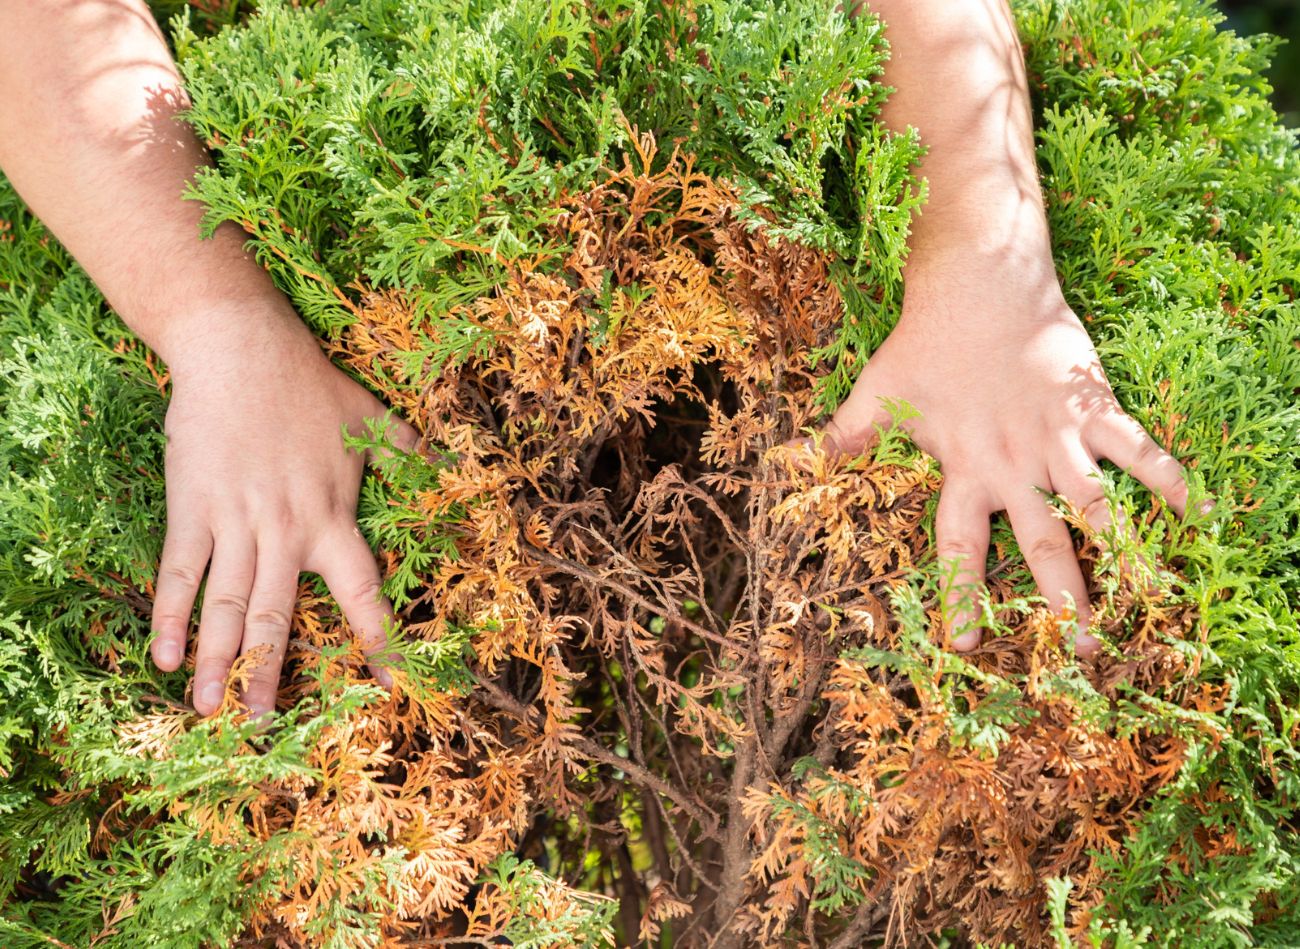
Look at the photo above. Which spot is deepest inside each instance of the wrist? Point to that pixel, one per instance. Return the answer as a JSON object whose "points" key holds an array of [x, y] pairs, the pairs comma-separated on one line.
{"points": [[982, 286], [237, 340], [1000, 255]]}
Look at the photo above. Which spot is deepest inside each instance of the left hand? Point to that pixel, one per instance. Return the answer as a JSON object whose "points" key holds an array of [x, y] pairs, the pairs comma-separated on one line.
{"points": [[1013, 403], [261, 486]]}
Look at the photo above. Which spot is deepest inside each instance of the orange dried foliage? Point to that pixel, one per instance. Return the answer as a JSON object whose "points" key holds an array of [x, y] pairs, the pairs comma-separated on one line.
{"points": [[660, 593]]}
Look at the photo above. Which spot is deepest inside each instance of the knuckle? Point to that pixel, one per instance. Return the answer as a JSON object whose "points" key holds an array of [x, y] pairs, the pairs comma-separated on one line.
{"points": [[959, 548], [224, 602], [343, 508], [278, 517], [268, 617], [1095, 510], [264, 678], [1103, 409], [210, 669], [178, 573], [1049, 548], [367, 589], [1174, 488], [1010, 450], [167, 619], [285, 519], [1149, 453]]}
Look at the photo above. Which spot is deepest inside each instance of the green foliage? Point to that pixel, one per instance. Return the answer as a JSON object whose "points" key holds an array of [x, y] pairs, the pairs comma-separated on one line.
{"points": [[1175, 210], [423, 146], [531, 895], [839, 880]]}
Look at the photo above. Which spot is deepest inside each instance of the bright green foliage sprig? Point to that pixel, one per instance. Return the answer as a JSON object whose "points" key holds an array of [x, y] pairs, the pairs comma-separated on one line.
{"points": [[424, 146]]}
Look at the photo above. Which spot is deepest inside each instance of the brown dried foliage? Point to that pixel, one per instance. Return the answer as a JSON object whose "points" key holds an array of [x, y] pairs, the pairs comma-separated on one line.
{"points": [[661, 592]]}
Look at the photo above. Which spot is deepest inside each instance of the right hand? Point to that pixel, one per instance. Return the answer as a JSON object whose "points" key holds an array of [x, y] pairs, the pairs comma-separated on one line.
{"points": [[261, 486]]}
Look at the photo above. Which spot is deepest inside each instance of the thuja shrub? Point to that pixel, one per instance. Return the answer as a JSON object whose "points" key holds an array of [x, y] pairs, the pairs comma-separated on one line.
{"points": [[665, 680]]}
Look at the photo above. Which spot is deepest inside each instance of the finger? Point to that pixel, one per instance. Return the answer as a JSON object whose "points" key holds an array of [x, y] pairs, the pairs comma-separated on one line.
{"points": [[1122, 440], [961, 528], [347, 565], [399, 433], [185, 554], [270, 614], [853, 426], [1045, 541], [221, 624], [1078, 479]]}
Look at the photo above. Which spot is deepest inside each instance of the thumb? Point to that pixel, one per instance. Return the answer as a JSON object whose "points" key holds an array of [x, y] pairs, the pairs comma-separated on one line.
{"points": [[853, 426], [400, 434]]}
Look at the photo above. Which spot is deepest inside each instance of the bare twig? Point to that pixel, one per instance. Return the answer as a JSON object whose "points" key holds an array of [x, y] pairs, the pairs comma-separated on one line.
{"points": [[707, 820]]}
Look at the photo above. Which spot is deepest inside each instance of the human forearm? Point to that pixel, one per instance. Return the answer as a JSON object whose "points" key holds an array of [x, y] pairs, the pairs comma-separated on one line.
{"points": [[89, 136], [958, 72], [1011, 396]]}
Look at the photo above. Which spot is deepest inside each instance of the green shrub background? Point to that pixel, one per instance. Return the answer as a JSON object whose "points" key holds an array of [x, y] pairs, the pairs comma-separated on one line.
{"points": [[1282, 18], [348, 138]]}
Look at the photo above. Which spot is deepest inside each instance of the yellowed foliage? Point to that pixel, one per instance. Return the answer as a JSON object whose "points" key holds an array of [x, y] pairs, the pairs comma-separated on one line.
{"points": [[660, 590]]}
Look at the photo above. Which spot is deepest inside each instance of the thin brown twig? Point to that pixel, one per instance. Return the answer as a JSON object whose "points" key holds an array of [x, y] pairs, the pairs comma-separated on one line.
{"points": [[707, 820], [667, 610]]}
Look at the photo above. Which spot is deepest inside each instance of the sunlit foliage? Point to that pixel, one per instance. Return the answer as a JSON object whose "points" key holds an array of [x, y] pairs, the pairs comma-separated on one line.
{"points": [[664, 679]]}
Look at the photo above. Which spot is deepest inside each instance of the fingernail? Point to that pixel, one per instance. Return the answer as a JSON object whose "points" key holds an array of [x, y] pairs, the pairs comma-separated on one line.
{"points": [[212, 693], [169, 655], [1086, 645], [966, 641], [1207, 506], [383, 678]]}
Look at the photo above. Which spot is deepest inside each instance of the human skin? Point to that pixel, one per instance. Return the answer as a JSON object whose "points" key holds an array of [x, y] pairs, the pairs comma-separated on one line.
{"points": [[1013, 400], [259, 483]]}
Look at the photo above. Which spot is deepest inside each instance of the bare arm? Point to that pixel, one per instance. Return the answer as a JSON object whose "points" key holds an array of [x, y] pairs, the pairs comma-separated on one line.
{"points": [[259, 482], [960, 80], [1012, 396], [89, 138]]}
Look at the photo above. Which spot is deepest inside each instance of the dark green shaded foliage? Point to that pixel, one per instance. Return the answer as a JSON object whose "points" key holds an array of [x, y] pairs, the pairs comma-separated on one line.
{"points": [[423, 146]]}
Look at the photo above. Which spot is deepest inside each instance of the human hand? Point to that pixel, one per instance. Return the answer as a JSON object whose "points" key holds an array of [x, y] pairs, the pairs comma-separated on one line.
{"points": [[258, 478], [1013, 403], [260, 483]]}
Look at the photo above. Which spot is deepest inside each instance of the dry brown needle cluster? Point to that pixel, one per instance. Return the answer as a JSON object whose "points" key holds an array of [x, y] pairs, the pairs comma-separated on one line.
{"points": [[665, 601]]}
